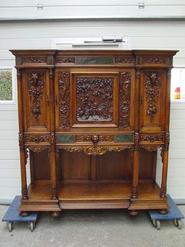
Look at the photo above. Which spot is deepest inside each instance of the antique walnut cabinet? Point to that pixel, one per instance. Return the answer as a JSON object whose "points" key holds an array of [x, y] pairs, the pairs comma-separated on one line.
{"points": [[90, 125]]}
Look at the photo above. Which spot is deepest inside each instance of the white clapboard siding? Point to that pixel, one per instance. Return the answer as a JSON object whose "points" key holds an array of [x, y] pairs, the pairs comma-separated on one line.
{"points": [[141, 34], [90, 9]]}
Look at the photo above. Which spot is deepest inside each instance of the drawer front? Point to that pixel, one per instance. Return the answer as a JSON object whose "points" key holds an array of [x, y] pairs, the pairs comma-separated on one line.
{"points": [[94, 144], [94, 139]]}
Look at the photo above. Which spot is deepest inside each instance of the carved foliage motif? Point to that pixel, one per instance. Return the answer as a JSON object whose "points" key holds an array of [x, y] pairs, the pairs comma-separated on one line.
{"points": [[64, 99], [152, 138], [124, 100], [155, 60], [152, 84], [88, 138], [37, 138], [124, 59], [95, 150], [94, 98], [35, 91], [67, 59], [33, 59]]}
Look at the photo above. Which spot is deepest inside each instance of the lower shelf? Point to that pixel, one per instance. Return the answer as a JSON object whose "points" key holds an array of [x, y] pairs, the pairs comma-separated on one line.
{"points": [[93, 195]]}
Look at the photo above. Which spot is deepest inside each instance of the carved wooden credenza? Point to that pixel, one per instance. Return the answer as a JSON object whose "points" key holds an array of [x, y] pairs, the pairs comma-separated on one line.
{"points": [[91, 123]]}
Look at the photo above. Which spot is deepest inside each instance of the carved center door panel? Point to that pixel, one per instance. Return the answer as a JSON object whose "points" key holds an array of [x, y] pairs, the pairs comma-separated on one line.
{"points": [[36, 95], [153, 100], [94, 99]]}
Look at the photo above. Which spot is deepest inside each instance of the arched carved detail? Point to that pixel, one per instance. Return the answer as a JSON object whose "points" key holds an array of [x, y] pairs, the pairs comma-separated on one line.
{"points": [[37, 149], [150, 148]]}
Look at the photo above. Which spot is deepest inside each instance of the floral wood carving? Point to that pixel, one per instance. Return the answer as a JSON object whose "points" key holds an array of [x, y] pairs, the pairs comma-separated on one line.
{"points": [[64, 100], [149, 148], [37, 149], [35, 91], [66, 59], [155, 60], [152, 138], [34, 59], [124, 99], [37, 138], [95, 150], [94, 98], [88, 138], [124, 59], [152, 84]]}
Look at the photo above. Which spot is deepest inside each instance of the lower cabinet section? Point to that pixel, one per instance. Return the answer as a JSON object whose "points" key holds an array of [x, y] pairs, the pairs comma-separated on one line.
{"points": [[93, 182]]}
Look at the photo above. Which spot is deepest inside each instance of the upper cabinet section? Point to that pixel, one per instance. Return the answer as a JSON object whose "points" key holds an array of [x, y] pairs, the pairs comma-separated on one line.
{"points": [[81, 90]]}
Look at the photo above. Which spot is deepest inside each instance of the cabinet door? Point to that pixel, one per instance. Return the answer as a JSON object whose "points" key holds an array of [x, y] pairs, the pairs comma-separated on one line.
{"points": [[153, 100], [36, 98], [100, 98]]}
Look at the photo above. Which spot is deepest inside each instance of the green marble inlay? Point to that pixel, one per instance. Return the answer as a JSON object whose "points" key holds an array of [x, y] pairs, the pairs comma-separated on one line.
{"points": [[124, 138], [65, 138], [93, 60]]}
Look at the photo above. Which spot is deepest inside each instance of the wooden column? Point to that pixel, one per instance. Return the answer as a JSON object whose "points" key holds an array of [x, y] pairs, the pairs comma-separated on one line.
{"points": [[52, 151], [22, 148], [52, 157], [164, 156], [135, 179], [23, 161]]}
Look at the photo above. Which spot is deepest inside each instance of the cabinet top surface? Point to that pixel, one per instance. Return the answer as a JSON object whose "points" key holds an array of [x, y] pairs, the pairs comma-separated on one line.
{"points": [[93, 51]]}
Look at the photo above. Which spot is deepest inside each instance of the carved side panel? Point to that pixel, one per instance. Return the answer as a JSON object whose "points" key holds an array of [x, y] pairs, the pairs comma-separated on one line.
{"points": [[124, 99], [35, 91], [94, 99], [152, 84], [64, 99], [153, 99], [36, 100]]}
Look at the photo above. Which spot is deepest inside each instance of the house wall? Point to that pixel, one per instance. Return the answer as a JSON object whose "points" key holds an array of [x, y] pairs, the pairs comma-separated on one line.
{"points": [[148, 34]]}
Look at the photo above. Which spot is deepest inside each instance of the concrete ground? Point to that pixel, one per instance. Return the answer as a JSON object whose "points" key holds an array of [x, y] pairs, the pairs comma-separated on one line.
{"points": [[93, 229]]}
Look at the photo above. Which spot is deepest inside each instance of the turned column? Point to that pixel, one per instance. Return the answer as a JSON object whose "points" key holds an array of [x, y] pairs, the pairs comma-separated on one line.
{"points": [[164, 156], [23, 161], [135, 179], [52, 150]]}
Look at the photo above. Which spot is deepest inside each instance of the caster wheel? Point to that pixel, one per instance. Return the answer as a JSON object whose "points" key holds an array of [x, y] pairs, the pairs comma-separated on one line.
{"points": [[178, 223], [32, 226], [156, 224], [10, 226]]}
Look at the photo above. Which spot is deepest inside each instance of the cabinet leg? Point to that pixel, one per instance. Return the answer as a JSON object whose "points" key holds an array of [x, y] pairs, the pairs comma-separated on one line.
{"points": [[24, 214], [164, 211], [55, 214], [133, 212]]}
